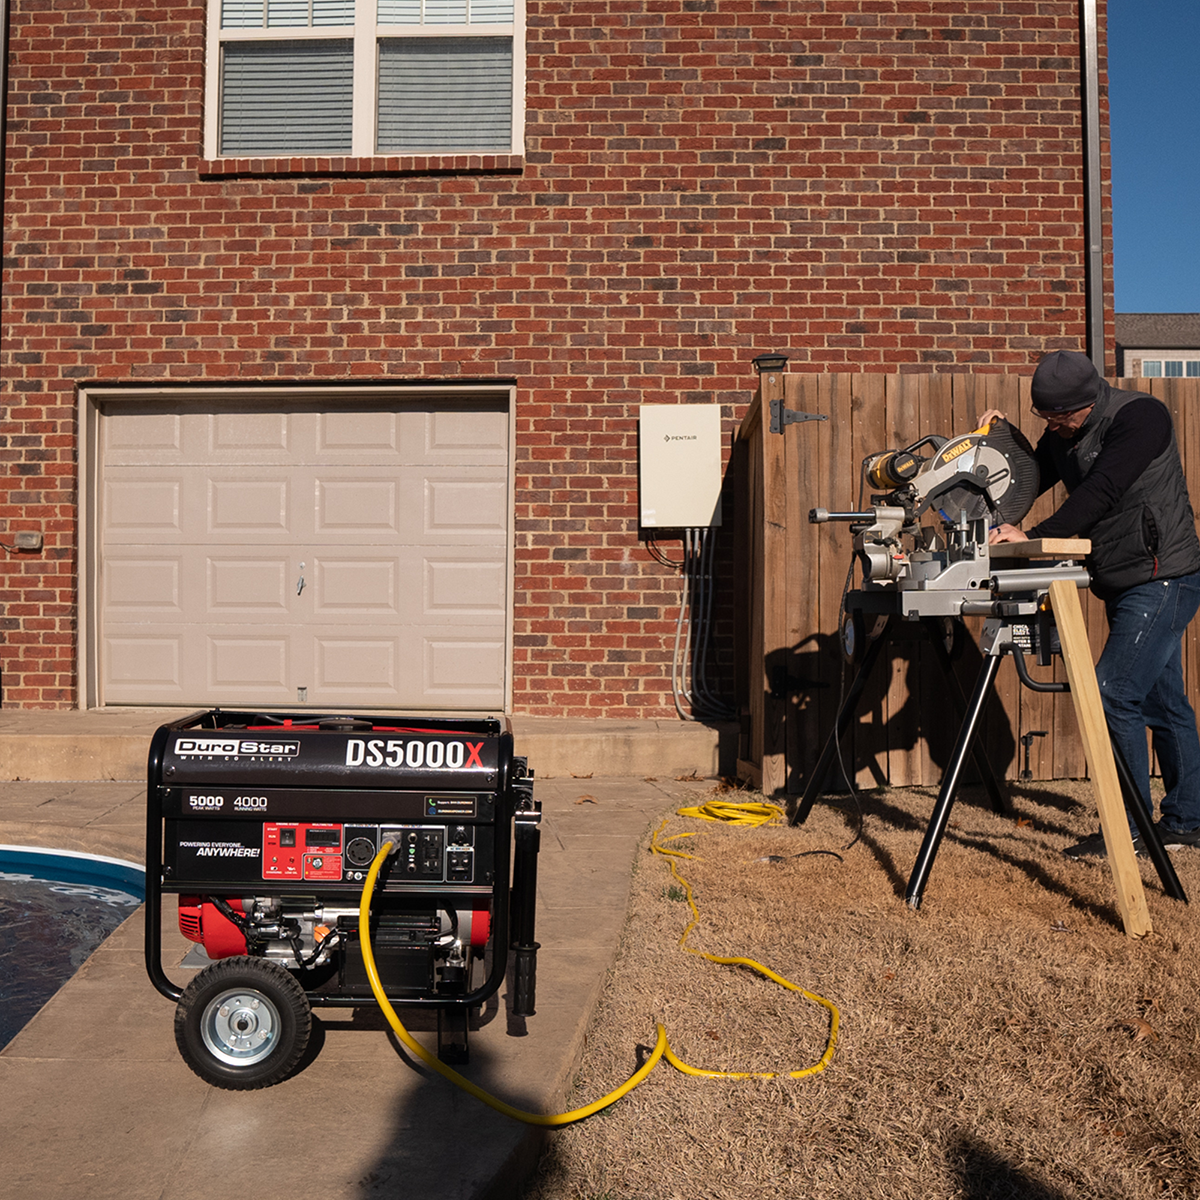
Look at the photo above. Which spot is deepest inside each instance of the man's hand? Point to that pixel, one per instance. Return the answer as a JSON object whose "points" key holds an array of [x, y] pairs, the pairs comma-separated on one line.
{"points": [[992, 414], [1006, 533]]}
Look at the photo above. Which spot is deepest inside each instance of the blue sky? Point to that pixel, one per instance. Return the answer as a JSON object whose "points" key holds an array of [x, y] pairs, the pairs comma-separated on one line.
{"points": [[1154, 92]]}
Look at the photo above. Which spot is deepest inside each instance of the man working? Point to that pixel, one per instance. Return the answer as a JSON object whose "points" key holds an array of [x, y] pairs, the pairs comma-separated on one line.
{"points": [[1115, 452]]}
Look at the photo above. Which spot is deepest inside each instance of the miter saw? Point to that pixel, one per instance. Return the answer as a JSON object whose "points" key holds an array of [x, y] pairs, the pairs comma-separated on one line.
{"points": [[925, 541], [924, 555]]}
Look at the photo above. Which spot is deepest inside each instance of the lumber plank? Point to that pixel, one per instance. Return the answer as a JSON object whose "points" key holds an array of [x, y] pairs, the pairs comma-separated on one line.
{"points": [[1093, 730], [1042, 548]]}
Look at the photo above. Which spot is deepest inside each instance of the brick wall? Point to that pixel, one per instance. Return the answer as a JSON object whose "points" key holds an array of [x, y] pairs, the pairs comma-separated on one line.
{"points": [[869, 185]]}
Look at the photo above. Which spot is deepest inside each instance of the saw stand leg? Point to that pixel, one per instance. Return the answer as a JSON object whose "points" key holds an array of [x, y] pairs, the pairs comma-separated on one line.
{"points": [[1129, 790], [946, 793], [820, 774], [816, 781], [1150, 835]]}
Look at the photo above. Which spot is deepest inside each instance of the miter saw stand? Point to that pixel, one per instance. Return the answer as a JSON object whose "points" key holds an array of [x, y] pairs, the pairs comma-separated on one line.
{"points": [[1027, 607]]}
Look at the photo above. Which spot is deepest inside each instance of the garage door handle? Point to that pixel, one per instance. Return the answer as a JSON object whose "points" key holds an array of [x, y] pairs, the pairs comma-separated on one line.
{"points": [[300, 581]]}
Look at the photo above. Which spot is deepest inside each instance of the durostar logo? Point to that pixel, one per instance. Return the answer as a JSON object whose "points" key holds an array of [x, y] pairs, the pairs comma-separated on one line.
{"points": [[212, 747]]}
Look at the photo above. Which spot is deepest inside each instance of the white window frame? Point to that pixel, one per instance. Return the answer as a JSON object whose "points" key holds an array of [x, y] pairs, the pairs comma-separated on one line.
{"points": [[366, 34]]}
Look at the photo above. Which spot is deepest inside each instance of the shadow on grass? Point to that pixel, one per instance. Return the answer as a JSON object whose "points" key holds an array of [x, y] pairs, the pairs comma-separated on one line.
{"points": [[983, 1174], [874, 805]]}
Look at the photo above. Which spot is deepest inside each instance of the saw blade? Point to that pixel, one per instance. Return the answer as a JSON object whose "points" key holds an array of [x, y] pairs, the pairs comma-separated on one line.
{"points": [[991, 475], [1015, 501]]}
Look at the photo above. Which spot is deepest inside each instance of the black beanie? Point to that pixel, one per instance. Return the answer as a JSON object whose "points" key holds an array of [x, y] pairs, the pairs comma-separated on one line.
{"points": [[1065, 381]]}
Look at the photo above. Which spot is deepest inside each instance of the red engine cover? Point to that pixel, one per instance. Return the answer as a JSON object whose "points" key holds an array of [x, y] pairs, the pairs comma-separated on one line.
{"points": [[201, 921]]}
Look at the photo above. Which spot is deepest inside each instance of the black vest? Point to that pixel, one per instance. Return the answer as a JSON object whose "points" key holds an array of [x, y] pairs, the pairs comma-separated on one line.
{"points": [[1150, 533]]}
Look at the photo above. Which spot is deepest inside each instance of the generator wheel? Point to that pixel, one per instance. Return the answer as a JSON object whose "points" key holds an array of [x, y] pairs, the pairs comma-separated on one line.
{"points": [[243, 1023]]}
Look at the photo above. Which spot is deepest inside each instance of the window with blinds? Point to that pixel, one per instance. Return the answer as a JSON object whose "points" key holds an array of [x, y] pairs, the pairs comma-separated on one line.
{"points": [[365, 77]]}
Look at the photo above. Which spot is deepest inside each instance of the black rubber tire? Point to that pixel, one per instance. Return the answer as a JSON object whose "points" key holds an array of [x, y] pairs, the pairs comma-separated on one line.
{"points": [[243, 1023]]}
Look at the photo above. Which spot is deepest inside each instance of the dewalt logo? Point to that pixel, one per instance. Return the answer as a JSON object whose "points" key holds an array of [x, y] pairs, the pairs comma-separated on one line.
{"points": [[950, 453]]}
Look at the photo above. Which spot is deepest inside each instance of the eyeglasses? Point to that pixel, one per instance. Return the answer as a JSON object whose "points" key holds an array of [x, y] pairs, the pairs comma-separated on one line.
{"points": [[1054, 419]]}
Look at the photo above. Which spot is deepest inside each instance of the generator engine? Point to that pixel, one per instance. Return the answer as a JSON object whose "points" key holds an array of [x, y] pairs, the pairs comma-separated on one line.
{"points": [[265, 826]]}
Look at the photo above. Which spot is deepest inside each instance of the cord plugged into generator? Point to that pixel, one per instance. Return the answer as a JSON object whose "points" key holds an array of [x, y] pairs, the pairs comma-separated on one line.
{"points": [[431, 1060], [732, 813]]}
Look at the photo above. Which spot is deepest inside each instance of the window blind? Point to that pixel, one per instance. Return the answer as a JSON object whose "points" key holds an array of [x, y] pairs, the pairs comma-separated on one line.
{"points": [[287, 97], [443, 12], [274, 14], [445, 94]]}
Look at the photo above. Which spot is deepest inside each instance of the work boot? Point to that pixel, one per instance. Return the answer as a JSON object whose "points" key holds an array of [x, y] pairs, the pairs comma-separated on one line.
{"points": [[1094, 847]]}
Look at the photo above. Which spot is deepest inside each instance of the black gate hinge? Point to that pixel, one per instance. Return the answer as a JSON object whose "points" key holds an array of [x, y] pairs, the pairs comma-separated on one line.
{"points": [[782, 417]]}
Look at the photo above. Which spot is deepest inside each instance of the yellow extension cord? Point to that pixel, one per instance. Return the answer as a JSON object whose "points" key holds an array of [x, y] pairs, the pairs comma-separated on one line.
{"points": [[748, 814]]}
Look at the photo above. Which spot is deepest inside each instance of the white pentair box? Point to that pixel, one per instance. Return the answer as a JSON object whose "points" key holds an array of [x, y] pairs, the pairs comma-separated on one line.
{"points": [[679, 465]]}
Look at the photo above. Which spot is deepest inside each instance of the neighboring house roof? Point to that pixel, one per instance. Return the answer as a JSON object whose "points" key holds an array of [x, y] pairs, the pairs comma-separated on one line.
{"points": [[1174, 331]]}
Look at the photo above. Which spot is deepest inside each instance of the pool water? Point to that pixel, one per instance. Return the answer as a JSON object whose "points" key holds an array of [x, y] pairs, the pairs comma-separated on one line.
{"points": [[49, 926]]}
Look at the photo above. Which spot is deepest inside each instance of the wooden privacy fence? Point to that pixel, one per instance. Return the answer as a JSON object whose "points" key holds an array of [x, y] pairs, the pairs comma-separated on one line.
{"points": [[791, 576]]}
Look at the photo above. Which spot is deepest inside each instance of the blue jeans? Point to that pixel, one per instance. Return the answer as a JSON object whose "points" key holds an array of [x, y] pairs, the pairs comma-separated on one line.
{"points": [[1140, 674]]}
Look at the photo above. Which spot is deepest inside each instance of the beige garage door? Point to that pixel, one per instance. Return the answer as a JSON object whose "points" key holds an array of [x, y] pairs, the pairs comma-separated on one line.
{"points": [[276, 552]]}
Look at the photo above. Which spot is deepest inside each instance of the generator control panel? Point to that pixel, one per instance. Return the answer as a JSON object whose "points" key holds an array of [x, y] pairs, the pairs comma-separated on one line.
{"points": [[261, 800], [203, 851]]}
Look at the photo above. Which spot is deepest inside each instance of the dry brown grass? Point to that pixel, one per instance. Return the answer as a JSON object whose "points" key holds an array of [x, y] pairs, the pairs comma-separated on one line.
{"points": [[1006, 1041]]}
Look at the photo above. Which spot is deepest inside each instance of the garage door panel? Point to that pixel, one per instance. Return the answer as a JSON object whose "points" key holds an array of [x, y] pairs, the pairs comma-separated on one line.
{"points": [[356, 507], [467, 588], [373, 435], [260, 435], [349, 588], [248, 586], [344, 667], [142, 434], [460, 670], [414, 585], [138, 585], [143, 505], [458, 507], [479, 436], [240, 664], [143, 509], [438, 669], [143, 662], [256, 507]]}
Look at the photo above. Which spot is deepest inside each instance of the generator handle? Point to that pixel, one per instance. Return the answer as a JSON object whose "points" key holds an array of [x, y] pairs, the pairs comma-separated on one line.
{"points": [[154, 864], [527, 843]]}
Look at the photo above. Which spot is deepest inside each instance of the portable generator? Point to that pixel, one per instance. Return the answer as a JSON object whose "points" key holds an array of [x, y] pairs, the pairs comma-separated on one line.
{"points": [[265, 825]]}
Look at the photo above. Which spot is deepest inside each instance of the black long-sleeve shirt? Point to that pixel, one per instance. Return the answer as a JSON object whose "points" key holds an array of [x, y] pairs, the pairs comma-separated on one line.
{"points": [[1139, 433]]}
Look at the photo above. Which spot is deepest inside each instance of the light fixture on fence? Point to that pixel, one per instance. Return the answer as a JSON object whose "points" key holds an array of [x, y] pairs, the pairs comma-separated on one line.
{"points": [[769, 362]]}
